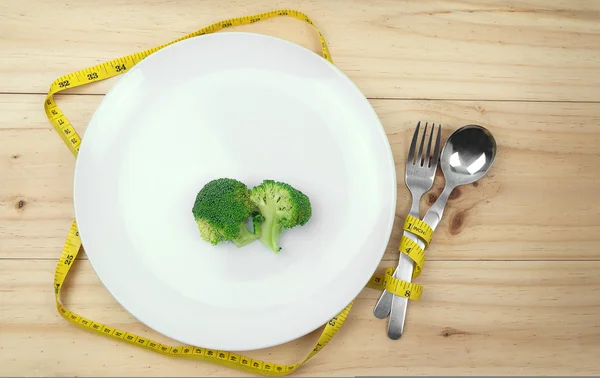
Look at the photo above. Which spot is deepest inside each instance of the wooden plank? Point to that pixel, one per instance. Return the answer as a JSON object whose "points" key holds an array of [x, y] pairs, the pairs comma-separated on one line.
{"points": [[492, 49], [532, 205], [482, 318]]}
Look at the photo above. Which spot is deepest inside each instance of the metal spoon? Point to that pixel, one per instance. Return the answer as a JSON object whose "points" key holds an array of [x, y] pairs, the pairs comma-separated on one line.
{"points": [[466, 157]]}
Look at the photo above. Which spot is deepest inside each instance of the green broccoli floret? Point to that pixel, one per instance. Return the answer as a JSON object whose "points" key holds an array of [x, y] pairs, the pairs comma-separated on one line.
{"points": [[222, 208], [281, 206]]}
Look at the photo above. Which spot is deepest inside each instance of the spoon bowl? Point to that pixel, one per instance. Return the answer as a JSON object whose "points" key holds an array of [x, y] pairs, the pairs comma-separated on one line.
{"points": [[467, 155]]}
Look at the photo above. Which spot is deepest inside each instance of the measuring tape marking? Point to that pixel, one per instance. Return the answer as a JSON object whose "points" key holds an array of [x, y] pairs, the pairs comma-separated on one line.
{"points": [[411, 249], [419, 228], [121, 65], [395, 286]]}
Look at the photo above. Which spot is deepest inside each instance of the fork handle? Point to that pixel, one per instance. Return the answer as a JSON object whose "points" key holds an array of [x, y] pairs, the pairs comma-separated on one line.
{"points": [[399, 304], [384, 304]]}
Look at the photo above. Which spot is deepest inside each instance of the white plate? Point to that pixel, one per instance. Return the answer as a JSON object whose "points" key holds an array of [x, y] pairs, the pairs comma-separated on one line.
{"points": [[251, 107]]}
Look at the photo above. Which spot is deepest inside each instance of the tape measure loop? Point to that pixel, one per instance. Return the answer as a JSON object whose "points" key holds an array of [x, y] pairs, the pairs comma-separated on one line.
{"points": [[411, 249], [419, 228], [72, 245], [401, 288]]}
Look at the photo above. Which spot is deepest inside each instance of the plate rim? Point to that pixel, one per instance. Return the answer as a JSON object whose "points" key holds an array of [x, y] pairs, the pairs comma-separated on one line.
{"points": [[382, 135]]}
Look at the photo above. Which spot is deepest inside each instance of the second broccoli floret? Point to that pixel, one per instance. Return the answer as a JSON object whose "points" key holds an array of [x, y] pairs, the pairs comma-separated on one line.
{"points": [[222, 208], [281, 206]]}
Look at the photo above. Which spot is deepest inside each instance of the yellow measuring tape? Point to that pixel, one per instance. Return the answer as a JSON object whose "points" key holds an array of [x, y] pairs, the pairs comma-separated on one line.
{"points": [[410, 248], [73, 243]]}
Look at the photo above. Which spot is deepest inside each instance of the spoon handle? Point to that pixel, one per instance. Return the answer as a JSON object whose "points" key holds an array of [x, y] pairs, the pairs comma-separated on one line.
{"points": [[405, 270], [435, 212]]}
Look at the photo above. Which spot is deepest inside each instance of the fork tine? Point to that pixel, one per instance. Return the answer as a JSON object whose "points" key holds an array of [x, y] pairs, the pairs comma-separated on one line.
{"points": [[420, 154], [413, 145], [428, 153], [436, 152]]}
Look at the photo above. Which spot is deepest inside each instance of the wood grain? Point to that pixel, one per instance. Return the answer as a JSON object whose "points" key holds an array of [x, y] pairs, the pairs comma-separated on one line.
{"points": [[474, 318], [548, 153], [489, 49], [512, 282]]}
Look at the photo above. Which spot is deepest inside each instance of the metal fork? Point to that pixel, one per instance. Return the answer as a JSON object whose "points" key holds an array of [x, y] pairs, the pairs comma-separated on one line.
{"points": [[420, 172]]}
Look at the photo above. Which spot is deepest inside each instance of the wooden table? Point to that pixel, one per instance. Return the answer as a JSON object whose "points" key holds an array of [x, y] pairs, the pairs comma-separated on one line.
{"points": [[513, 276]]}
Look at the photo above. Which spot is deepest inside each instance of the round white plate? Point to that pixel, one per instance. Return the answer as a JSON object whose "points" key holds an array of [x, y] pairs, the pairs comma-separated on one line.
{"points": [[250, 107]]}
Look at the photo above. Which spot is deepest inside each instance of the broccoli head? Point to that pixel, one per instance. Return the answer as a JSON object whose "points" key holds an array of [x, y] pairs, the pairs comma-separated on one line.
{"points": [[221, 210], [281, 207]]}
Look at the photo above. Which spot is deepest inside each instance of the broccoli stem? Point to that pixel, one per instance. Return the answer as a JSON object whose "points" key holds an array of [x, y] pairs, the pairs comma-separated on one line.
{"points": [[271, 229], [245, 237]]}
